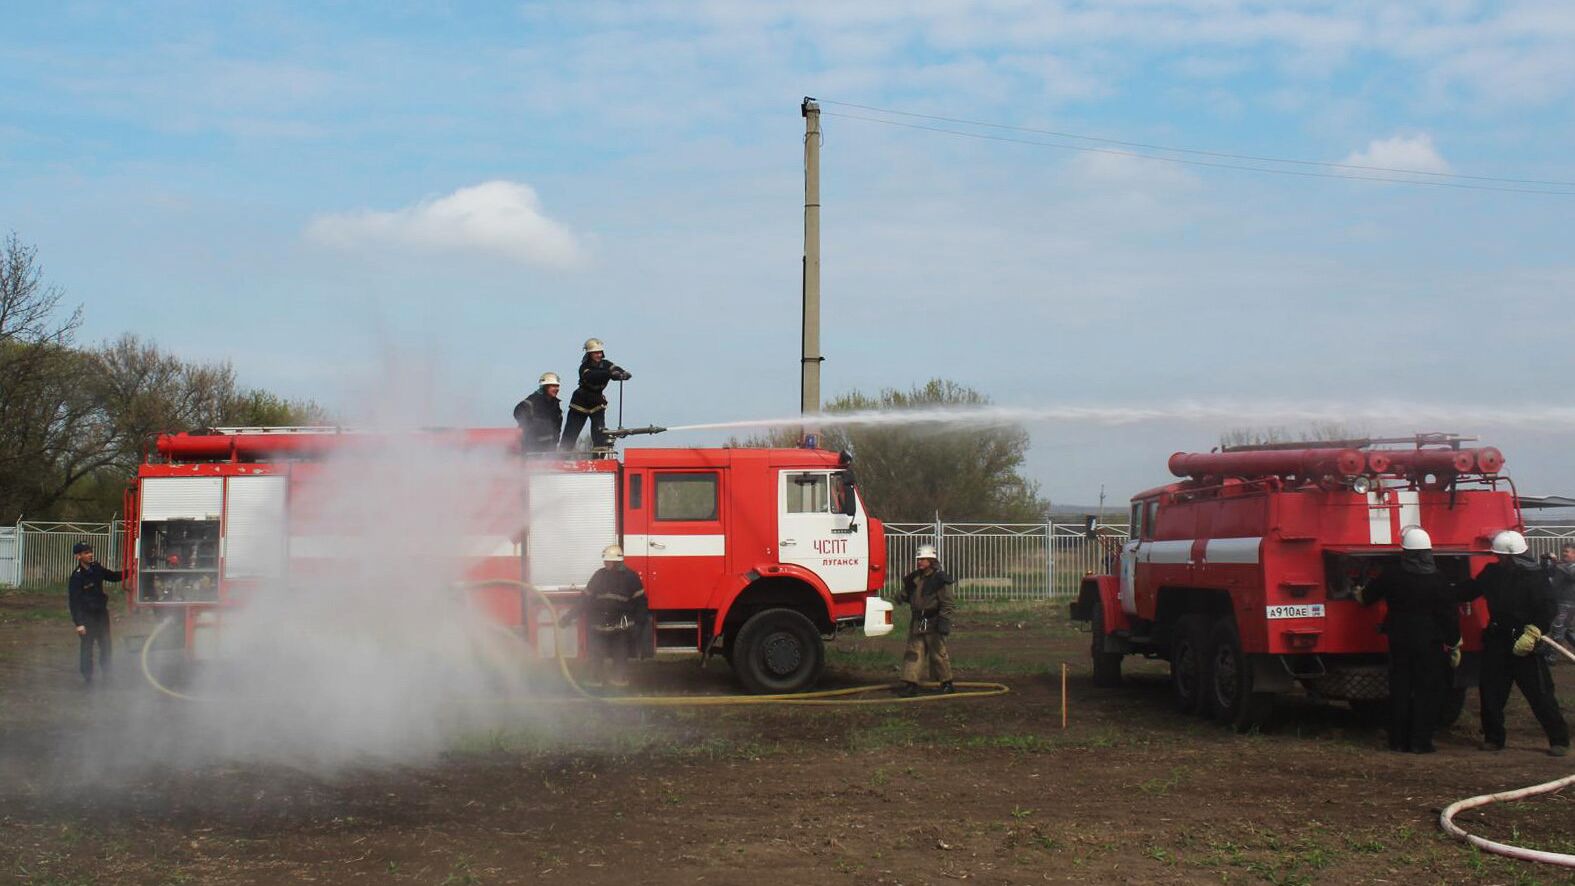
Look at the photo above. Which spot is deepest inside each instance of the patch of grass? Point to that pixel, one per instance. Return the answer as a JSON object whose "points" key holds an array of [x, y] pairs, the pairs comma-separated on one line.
{"points": [[1159, 787], [890, 732], [460, 874]]}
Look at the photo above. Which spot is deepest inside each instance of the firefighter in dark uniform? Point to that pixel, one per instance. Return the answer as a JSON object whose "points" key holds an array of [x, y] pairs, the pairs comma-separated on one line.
{"points": [[928, 591], [540, 416], [1423, 626], [1520, 607], [90, 608], [589, 401], [614, 600]]}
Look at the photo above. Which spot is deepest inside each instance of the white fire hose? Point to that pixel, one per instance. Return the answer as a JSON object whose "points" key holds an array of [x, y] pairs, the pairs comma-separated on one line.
{"points": [[1446, 820]]}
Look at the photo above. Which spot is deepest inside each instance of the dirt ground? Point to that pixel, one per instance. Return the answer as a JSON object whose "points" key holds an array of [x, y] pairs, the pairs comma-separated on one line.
{"points": [[990, 790]]}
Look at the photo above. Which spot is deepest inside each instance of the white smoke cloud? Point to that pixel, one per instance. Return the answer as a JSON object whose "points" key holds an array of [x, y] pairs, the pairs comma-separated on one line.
{"points": [[1414, 153], [503, 219]]}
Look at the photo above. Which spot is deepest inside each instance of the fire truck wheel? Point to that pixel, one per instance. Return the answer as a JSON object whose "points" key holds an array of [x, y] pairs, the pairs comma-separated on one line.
{"points": [[779, 650], [1107, 665], [1189, 664], [1454, 705], [1231, 697]]}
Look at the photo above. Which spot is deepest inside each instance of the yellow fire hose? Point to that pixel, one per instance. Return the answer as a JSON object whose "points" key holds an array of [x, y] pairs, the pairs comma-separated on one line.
{"points": [[823, 697], [1446, 820]]}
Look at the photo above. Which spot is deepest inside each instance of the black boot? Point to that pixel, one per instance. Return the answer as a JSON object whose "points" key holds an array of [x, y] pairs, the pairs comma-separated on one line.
{"points": [[947, 688], [908, 690]]}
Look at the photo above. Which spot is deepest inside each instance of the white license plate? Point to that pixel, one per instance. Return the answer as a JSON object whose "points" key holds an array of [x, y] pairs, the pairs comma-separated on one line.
{"points": [[1295, 610]]}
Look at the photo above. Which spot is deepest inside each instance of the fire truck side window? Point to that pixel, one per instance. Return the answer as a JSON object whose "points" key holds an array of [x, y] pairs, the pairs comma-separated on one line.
{"points": [[1150, 511], [808, 493], [636, 490], [686, 497], [1136, 529]]}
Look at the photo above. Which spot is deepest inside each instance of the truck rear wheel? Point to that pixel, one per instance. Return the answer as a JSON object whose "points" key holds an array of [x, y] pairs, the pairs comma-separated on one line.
{"points": [[1107, 665], [1189, 660], [776, 651], [1231, 696]]}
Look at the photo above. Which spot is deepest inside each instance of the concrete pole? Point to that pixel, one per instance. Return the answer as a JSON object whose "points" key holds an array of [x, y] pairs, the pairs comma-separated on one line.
{"points": [[809, 390]]}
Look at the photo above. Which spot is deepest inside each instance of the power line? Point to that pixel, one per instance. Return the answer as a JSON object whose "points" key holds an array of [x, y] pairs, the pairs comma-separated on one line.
{"points": [[1300, 173]]}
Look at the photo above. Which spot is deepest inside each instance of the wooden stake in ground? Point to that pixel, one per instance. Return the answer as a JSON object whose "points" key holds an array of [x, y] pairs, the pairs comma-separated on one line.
{"points": [[1063, 695]]}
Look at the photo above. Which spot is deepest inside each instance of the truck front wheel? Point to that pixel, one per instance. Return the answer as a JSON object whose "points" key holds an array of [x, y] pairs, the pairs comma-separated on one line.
{"points": [[1189, 660], [777, 651], [1107, 665], [1231, 695]]}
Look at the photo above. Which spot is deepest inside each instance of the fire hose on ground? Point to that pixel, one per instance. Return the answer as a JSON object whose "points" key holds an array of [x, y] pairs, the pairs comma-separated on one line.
{"points": [[1447, 819], [823, 697]]}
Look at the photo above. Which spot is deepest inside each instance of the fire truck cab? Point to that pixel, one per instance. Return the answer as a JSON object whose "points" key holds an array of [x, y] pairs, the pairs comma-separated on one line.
{"points": [[758, 555], [1241, 575]]}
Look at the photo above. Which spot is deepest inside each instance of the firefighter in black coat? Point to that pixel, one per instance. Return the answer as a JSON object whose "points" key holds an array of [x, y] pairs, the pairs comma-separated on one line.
{"points": [[589, 400], [618, 616], [90, 608], [1520, 608], [540, 416], [1423, 626]]}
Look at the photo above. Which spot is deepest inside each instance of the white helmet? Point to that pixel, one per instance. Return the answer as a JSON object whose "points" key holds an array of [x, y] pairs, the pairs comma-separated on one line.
{"points": [[1509, 542], [594, 344], [926, 552], [549, 378], [612, 554], [1415, 538]]}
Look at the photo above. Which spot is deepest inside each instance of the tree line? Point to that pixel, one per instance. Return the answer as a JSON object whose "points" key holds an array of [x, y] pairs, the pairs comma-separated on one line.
{"points": [[76, 420], [969, 469]]}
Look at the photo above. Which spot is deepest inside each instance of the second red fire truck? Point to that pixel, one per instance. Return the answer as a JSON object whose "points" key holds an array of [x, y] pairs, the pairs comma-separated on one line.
{"points": [[1241, 573], [757, 555]]}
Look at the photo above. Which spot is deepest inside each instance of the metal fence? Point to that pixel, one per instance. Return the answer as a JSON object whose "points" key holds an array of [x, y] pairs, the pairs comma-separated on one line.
{"points": [[1006, 561], [1033, 561], [40, 553], [1549, 539]]}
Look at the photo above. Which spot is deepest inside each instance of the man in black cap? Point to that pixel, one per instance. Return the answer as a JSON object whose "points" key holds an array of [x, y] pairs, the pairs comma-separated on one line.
{"points": [[90, 608]]}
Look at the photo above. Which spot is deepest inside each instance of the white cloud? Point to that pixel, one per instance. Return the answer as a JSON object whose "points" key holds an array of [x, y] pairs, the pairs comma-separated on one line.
{"points": [[1413, 153], [499, 218]]}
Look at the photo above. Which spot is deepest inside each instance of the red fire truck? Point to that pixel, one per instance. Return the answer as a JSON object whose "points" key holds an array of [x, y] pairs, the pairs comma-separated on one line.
{"points": [[756, 554], [1241, 574]]}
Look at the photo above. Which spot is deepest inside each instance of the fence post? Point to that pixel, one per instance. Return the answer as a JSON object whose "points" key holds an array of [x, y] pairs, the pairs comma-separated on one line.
{"points": [[1049, 560]]}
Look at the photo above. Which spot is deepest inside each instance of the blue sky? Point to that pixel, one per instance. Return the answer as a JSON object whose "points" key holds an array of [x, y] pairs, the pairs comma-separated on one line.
{"points": [[473, 189]]}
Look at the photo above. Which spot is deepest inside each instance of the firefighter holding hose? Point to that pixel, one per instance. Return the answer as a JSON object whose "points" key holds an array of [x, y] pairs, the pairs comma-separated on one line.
{"points": [[928, 591], [1520, 608], [1423, 626], [589, 401], [90, 608], [614, 600]]}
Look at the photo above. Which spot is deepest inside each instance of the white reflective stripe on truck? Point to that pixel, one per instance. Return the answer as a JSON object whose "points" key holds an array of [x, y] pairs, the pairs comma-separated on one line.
{"points": [[1232, 550], [674, 545]]}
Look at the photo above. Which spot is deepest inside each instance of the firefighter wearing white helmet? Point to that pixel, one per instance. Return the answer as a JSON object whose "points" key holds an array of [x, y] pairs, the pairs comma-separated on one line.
{"points": [[1423, 627], [929, 593], [1521, 607], [589, 401], [540, 416], [618, 618]]}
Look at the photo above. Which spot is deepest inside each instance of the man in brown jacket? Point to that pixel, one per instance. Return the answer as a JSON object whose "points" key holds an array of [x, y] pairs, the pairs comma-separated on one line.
{"points": [[928, 593]]}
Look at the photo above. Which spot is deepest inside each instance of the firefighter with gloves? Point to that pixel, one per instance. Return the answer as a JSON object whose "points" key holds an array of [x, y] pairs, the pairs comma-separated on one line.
{"points": [[90, 608], [928, 591], [540, 416], [614, 599], [589, 400], [1562, 572], [1423, 625], [1520, 608]]}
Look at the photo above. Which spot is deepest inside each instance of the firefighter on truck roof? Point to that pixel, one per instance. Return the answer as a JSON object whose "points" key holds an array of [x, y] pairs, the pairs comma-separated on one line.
{"points": [[1520, 608], [540, 416], [589, 400], [90, 608], [928, 591], [615, 600], [1423, 626]]}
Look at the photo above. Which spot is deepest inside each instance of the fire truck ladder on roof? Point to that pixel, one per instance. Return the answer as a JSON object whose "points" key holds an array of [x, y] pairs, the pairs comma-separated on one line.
{"points": [[281, 430]]}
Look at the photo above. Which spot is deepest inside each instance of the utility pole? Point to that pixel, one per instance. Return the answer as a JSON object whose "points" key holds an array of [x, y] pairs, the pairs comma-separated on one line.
{"points": [[809, 385], [1101, 502]]}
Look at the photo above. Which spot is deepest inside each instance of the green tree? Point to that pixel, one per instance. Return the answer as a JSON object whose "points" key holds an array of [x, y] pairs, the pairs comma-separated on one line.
{"points": [[957, 466]]}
